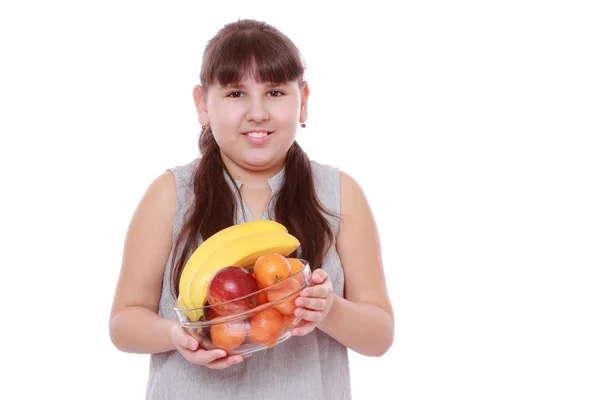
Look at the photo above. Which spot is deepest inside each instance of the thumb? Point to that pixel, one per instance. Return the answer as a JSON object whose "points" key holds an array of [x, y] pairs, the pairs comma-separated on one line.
{"points": [[184, 339], [319, 276]]}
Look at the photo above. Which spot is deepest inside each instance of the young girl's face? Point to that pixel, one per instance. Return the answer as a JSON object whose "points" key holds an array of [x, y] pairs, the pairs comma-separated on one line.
{"points": [[254, 123]]}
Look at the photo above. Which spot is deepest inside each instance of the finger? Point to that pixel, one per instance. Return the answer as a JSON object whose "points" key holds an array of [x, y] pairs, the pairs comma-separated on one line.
{"points": [[319, 276], [225, 362], [319, 291], [311, 303], [308, 315], [205, 357], [304, 328], [184, 339]]}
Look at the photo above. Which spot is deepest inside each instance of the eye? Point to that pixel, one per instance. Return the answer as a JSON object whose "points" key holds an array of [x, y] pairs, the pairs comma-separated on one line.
{"points": [[275, 93], [235, 94]]}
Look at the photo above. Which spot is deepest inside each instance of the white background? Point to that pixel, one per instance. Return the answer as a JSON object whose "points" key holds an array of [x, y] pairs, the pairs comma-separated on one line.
{"points": [[471, 125]]}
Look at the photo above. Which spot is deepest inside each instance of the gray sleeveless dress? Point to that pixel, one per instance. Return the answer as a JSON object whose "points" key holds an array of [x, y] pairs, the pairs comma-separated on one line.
{"points": [[312, 367]]}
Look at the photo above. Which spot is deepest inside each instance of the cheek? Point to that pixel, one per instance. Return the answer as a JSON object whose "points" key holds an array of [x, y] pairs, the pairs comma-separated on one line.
{"points": [[286, 114], [224, 119]]}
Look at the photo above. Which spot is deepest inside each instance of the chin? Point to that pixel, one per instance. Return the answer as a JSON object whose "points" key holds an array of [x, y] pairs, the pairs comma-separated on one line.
{"points": [[261, 162], [258, 159], [257, 165]]}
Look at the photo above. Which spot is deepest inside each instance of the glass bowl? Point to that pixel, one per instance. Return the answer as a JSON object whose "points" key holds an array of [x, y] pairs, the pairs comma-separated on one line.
{"points": [[261, 327]]}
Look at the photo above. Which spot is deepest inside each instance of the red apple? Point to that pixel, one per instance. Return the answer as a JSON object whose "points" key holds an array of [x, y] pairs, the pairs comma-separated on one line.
{"points": [[231, 283], [210, 312]]}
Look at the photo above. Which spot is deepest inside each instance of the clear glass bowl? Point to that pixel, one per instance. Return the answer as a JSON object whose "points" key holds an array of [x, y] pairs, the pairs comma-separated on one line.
{"points": [[262, 327]]}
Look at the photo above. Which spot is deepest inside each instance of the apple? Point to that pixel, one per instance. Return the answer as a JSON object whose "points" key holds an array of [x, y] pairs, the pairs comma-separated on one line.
{"points": [[210, 312], [231, 283]]}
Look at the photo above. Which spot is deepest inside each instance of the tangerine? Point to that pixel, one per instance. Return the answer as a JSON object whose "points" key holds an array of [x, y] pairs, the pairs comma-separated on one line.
{"points": [[288, 321], [282, 290], [295, 265], [270, 269], [228, 335], [262, 297], [265, 327]]}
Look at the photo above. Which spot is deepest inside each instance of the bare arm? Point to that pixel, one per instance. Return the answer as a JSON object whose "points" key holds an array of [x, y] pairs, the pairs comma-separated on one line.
{"points": [[363, 320], [135, 326]]}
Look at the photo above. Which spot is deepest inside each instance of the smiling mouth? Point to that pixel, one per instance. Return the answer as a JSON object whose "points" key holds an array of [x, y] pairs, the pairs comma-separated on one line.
{"points": [[257, 134]]}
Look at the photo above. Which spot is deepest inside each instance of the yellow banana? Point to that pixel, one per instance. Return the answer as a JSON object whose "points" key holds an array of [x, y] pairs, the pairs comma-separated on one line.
{"points": [[239, 252], [209, 246]]}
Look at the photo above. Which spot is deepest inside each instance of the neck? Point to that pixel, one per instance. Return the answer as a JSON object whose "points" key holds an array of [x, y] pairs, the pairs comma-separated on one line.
{"points": [[252, 178]]}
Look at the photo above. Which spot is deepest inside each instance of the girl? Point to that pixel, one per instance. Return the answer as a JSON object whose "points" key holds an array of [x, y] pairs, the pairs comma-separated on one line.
{"points": [[250, 101]]}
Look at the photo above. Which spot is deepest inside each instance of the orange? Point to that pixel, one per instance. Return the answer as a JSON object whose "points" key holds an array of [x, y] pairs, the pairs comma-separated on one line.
{"points": [[265, 327], [270, 269], [295, 265], [288, 321], [228, 335], [281, 290], [262, 297]]}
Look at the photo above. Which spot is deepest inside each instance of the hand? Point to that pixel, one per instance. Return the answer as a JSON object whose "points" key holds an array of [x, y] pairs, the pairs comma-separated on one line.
{"points": [[189, 348], [314, 303]]}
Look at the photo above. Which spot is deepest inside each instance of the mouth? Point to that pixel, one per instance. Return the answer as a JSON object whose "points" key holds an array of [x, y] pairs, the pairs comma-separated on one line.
{"points": [[257, 134]]}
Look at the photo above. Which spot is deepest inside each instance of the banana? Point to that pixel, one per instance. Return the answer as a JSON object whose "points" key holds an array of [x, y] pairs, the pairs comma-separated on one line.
{"points": [[212, 244], [239, 252]]}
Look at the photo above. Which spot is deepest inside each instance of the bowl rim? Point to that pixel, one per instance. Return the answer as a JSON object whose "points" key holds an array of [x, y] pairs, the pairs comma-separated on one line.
{"points": [[245, 313]]}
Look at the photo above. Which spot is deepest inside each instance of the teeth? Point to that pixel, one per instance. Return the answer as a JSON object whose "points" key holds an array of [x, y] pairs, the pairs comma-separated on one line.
{"points": [[257, 134]]}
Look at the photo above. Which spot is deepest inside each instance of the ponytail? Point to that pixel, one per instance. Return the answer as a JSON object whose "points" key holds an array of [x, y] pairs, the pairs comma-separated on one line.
{"points": [[213, 206], [298, 208]]}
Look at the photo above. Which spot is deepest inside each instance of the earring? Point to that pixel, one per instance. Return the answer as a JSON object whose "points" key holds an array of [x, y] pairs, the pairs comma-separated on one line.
{"points": [[203, 128], [303, 125]]}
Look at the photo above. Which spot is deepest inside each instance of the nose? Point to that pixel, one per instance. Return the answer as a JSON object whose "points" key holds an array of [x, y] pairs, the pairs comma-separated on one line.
{"points": [[257, 110]]}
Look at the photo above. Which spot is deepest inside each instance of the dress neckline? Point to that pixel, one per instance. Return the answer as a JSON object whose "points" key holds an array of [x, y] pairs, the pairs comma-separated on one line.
{"points": [[243, 213]]}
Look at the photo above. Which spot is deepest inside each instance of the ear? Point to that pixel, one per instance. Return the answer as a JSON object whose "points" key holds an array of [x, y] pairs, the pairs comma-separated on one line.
{"points": [[304, 93], [199, 94]]}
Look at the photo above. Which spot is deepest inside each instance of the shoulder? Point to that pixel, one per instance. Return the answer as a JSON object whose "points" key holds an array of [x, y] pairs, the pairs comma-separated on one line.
{"points": [[325, 175], [326, 180], [349, 186], [342, 194], [322, 167], [161, 193], [332, 177], [358, 229], [183, 176], [165, 191], [352, 198], [183, 173]]}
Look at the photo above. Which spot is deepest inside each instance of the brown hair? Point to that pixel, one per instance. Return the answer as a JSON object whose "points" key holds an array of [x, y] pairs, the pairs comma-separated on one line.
{"points": [[238, 47]]}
